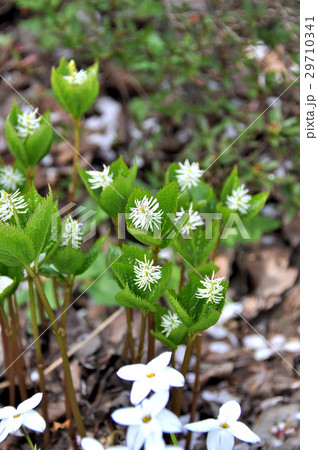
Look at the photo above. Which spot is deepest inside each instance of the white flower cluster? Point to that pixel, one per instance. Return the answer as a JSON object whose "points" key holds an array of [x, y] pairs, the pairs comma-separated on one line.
{"points": [[27, 123], [10, 204], [146, 215], [188, 175], [100, 179], [170, 322], [12, 419], [212, 289], [239, 200], [76, 77], [11, 178], [193, 222], [146, 273], [72, 233], [148, 419]]}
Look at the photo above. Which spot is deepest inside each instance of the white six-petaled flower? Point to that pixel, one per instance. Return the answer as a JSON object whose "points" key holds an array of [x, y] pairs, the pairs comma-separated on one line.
{"points": [[11, 203], [188, 175], [72, 233], [154, 376], [212, 289], [194, 220], [147, 422], [223, 430], [146, 215], [76, 77], [27, 123], [100, 179], [239, 199], [5, 282], [10, 178], [146, 273], [13, 418], [170, 322]]}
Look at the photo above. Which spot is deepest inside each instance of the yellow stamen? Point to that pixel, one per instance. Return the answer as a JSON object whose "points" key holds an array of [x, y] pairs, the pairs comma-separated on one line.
{"points": [[146, 419], [224, 425], [16, 416], [150, 375]]}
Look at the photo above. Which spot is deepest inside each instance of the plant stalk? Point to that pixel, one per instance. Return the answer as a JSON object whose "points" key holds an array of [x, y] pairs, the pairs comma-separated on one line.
{"points": [[5, 332], [184, 369], [77, 128], [39, 357], [196, 387], [61, 342], [142, 336]]}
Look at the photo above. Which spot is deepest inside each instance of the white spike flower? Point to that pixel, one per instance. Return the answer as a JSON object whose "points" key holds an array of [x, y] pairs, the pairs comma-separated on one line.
{"points": [[76, 77], [188, 175], [72, 233], [239, 199], [5, 282], [11, 203], [10, 178], [155, 376], [146, 273], [223, 430], [146, 215], [212, 289], [24, 415], [194, 221], [100, 179], [27, 123], [170, 322], [147, 422]]}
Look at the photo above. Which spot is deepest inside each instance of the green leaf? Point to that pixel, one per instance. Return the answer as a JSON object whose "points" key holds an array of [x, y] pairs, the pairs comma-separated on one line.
{"points": [[39, 224], [91, 255], [177, 306], [68, 260], [231, 183], [15, 144], [129, 299], [39, 143], [16, 248], [255, 205]]}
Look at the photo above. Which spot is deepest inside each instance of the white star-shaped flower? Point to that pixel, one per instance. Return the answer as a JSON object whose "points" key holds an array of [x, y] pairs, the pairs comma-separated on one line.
{"points": [[76, 77], [72, 233], [27, 123], [239, 199], [146, 273], [10, 178], [100, 179], [212, 289], [146, 215], [223, 430], [13, 418], [188, 175], [170, 322], [194, 221], [155, 376], [11, 203], [147, 422]]}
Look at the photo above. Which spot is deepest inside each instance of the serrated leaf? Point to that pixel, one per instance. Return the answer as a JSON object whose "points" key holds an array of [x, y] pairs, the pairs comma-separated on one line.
{"points": [[39, 143], [15, 144], [39, 224], [68, 260], [255, 205], [16, 248], [177, 306], [129, 299], [91, 255], [231, 183]]}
